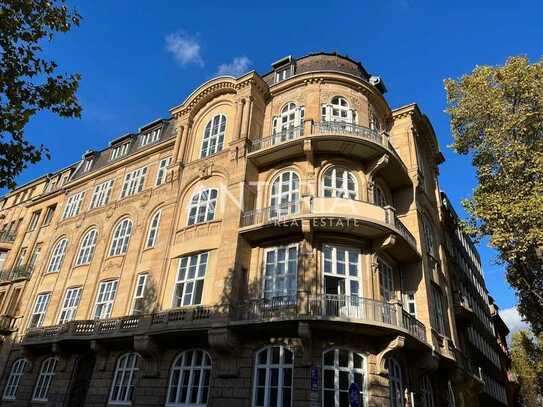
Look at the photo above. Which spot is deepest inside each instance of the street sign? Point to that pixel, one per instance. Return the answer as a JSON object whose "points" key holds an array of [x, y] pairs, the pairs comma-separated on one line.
{"points": [[354, 395]]}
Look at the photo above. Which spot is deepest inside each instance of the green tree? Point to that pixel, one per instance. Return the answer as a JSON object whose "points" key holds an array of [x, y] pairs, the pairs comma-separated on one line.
{"points": [[30, 83], [497, 119], [527, 363]]}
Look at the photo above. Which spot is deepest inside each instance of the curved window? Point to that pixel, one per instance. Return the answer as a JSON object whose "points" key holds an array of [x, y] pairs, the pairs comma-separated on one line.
{"points": [[427, 392], [189, 379], [213, 136], [125, 379], [57, 256], [15, 376], [47, 372], [375, 124], [202, 206], [121, 237], [273, 377], [340, 109], [395, 382], [339, 183], [86, 249], [288, 124], [153, 229], [340, 368], [379, 196], [285, 194]]}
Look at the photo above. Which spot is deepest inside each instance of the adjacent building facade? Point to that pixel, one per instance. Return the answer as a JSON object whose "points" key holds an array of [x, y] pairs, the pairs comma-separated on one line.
{"points": [[280, 240]]}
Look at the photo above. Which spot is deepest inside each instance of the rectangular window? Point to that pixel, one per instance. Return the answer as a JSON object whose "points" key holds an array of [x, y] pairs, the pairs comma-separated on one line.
{"points": [[20, 258], [438, 314], [3, 256], [34, 220], [150, 137], [161, 172], [134, 182], [40, 308], [341, 271], [88, 165], [101, 194], [69, 305], [409, 303], [386, 281], [105, 299], [281, 272], [138, 307], [49, 214], [34, 258], [190, 280], [73, 206], [119, 151]]}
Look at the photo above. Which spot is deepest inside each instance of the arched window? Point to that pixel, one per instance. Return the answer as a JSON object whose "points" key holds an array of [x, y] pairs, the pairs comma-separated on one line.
{"points": [[47, 372], [379, 196], [451, 402], [339, 183], [427, 392], [213, 136], [338, 110], [57, 256], [288, 124], [189, 379], [375, 124], [273, 377], [17, 371], [428, 235], [121, 237], [125, 379], [395, 382], [86, 249], [202, 206], [285, 194], [340, 368], [153, 229]]}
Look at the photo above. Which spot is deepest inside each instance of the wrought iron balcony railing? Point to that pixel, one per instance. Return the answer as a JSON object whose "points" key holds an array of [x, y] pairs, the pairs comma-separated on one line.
{"points": [[277, 138], [7, 237], [7, 324], [300, 306], [16, 273], [270, 214]]}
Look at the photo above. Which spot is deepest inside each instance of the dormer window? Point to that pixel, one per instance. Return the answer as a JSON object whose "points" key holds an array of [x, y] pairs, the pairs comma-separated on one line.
{"points": [[150, 137], [284, 69], [119, 151], [88, 165]]}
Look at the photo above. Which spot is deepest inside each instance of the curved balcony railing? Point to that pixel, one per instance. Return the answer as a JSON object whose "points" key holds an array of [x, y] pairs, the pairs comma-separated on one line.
{"points": [[276, 138], [15, 273], [270, 214], [349, 129], [7, 237]]}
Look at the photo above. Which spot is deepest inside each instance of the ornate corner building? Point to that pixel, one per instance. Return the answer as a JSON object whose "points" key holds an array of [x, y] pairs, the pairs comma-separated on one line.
{"points": [[280, 240]]}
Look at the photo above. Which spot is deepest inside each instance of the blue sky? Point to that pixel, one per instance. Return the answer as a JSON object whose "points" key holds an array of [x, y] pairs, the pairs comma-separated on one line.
{"points": [[140, 58]]}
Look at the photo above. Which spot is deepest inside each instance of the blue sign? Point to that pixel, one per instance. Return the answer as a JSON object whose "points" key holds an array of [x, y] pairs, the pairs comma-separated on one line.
{"points": [[354, 395], [314, 379]]}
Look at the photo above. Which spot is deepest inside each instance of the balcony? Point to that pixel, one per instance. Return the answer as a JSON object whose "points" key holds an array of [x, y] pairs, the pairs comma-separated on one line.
{"points": [[6, 240], [372, 317], [15, 274], [7, 325], [333, 215], [462, 310], [360, 143]]}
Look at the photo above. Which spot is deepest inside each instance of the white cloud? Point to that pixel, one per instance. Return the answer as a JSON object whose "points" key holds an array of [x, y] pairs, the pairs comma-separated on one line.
{"points": [[513, 320], [184, 48], [237, 67]]}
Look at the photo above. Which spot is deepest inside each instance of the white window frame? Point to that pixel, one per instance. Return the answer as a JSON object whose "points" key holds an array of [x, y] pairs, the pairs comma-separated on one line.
{"points": [[200, 362], [439, 312], [428, 235], [121, 238], [86, 248], [49, 213], [285, 202], [154, 226], [379, 196], [125, 379], [101, 194], [105, 298], [202, 206], [410, 304], [339, 111], [31, 266], [395, 383], [386, 280], [34, 219], [69, 305], [335, 261], [213, 139], [288, 125], [43, 382], [190, 275], [344, 191], [88, 165], [57, 256], [134, 181], [73, 206], [266, 367], [16, 373], [427, 392], [280, 277], [139, 292], [350, 369], [152, 136], [162, 170], [451, 401], [119, 151]]}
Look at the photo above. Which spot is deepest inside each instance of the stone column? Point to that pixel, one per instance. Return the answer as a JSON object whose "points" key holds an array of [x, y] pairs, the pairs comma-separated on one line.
{"points": [[246, 117], [238, 118]]}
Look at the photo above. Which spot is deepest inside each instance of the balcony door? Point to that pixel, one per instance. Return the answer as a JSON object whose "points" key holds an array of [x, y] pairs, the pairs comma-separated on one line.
{"points": [[342, 271], [285, 195]]}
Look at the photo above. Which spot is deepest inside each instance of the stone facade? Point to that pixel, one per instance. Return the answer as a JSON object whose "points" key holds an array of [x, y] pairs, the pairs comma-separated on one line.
{"points": [[277, 239]]}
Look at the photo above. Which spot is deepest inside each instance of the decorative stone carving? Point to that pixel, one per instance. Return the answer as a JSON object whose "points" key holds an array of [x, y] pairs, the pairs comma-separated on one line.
{"points": [[205, 171], [394, 345]]}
